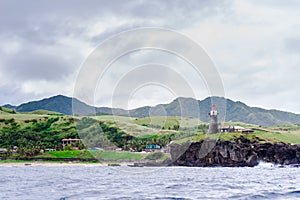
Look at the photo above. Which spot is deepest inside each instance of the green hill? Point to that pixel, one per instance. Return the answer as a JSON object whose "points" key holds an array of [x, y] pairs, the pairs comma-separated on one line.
{"points": [[229, 111], [4, 110], [59, 103], [41, 129], [33, 132]]}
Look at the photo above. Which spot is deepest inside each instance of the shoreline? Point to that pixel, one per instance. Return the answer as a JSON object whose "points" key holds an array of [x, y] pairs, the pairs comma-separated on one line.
{"points": [[121, 164], [61, 163], [27, 163], [37, 163]]}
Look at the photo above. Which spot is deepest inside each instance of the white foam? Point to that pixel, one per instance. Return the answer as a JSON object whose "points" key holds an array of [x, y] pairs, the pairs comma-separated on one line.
{"points": [[266, 165]]}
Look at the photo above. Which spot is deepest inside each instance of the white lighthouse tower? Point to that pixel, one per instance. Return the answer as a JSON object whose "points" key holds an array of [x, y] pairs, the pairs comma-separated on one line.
{"points": [[213, 125]]}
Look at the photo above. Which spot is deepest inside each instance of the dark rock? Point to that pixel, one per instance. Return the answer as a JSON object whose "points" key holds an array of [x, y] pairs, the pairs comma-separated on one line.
{"points": [[252, 161], [240, 152]]}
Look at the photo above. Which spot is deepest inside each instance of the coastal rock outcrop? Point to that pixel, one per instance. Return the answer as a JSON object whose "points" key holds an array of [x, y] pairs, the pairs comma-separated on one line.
{"points": [[237, 153]]}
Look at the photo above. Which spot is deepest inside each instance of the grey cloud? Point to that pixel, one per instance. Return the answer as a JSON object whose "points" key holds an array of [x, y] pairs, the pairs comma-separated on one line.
{"points": [[79, 9], [16, 15], [293, 45], [13, 94], [41, 27], [290, 4], [43, 23], [36, 66]]}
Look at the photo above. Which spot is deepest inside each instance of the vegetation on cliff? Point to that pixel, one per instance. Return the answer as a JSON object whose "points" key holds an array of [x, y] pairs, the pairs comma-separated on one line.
{"points": [[40, 130]]}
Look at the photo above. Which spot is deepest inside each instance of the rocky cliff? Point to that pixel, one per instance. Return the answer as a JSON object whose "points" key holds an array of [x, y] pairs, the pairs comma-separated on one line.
{"points": [[237, 153]]}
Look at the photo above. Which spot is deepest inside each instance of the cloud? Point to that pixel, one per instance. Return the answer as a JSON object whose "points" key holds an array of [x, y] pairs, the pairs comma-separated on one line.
{"points": [[293, 45], [44, 44]]}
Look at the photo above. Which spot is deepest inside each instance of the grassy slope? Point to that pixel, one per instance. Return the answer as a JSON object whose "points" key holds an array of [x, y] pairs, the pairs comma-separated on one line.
{"points": [[63, 127], [102, 155], [45, 112], [114, 155], [286, 137], [67, 154], [5, 110], [131, 126], [285, 133], [136, 126], [20, 118], [168, 122]]}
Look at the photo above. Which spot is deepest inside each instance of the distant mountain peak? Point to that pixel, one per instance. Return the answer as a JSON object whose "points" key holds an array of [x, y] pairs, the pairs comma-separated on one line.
{"points": [[59, 96], [9, 106], [229, 110], [185, 98]]}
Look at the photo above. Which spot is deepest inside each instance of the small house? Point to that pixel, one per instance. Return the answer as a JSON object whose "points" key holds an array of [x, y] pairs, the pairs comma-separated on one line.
{"points": [[230, 129], [152, 147], [227, 129]]}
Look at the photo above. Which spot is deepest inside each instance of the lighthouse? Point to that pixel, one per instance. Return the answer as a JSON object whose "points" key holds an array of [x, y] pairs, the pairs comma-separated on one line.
{"points": [[213, 125]]}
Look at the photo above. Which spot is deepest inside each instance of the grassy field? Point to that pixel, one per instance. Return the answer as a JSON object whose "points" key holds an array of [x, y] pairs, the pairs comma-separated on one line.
{"points": [[68, 154], [45, 112], [292, 137], [113, 118], [115, 155], [5, 111], [168, 122], [134, 126], [26, 119], [20, 117], [159, 122], [104, 155], [288, 137], [149, 125], [65, 126], [14, 161]]}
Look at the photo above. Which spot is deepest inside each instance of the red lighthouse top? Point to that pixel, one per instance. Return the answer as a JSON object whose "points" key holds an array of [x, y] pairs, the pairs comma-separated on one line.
{"points": [[213, 107], [213, 111]]}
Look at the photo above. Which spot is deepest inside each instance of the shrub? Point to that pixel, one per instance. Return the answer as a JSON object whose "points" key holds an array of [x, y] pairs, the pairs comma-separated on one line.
{"points": [[9, 121]]}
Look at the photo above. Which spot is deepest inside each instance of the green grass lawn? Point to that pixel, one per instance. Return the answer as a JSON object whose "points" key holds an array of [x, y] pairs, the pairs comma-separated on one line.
{"points": [[292, 137], [23, 118], [15, 161], [127, 125], [103, 155], [114, 155], [168, 122], [287, 137], [67, 154], [4, 110], [113, 118], [19, 117]]}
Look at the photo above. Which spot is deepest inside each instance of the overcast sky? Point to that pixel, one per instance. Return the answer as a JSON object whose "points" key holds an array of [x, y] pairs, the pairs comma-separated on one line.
{"points": [[255, 46]]}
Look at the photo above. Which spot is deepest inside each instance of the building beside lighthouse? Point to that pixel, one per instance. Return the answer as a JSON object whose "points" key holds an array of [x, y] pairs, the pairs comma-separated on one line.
{"points": [[213, 125]]}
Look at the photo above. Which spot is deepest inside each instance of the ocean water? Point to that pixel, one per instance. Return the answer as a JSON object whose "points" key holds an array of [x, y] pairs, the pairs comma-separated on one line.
{"points": [[95, 182]]}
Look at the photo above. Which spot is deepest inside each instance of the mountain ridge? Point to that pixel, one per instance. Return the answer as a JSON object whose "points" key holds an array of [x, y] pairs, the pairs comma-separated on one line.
{"points": [[235, 111]]}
